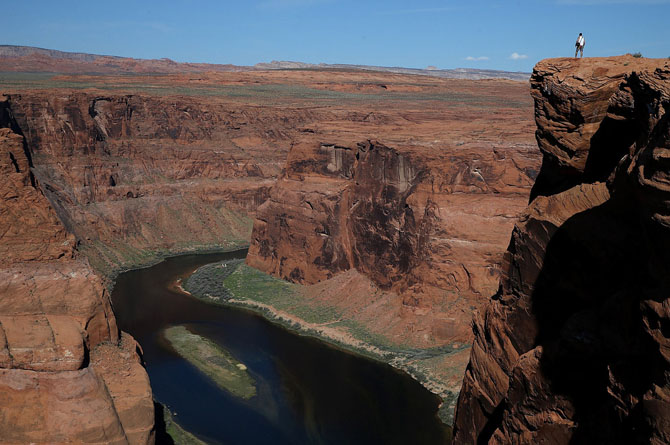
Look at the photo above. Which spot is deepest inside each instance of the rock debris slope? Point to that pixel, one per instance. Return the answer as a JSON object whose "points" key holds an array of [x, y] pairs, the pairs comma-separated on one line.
{"points": [[575, 347]]}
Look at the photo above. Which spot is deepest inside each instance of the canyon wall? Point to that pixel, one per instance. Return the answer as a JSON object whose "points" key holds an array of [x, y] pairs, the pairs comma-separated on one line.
{"points": [[92, 184], [573, 348], [132, 174], [55, 315], [396, 217], [429, 225]]}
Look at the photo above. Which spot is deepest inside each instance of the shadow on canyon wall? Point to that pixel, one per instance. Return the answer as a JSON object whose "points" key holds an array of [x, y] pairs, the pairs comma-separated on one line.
{"points": [[596, 303], [589, 303], [162, 436]]}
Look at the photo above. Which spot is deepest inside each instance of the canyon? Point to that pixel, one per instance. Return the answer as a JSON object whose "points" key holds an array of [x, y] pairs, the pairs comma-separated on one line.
{"points": [[573, 348], [388, 197], [387, 200]]}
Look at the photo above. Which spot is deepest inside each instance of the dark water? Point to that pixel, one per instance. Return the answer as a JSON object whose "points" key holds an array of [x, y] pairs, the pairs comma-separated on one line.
{"points": [[308, 392]]}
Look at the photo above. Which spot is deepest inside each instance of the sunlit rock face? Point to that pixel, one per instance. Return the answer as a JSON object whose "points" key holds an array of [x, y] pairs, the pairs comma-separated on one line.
{"points": [[574, 347], [425, 219], [55, 315]]}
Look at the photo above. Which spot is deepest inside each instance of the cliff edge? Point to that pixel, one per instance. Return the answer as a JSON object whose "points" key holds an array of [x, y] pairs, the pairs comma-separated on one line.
{"points": [[575, 347], [58, 336]]}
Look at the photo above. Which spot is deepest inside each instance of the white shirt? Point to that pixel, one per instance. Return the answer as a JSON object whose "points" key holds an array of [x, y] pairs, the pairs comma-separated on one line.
{"points": [[580, 40]]}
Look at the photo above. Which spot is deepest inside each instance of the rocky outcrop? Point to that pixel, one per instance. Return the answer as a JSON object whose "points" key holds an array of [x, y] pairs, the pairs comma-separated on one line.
{"points": [[106, 402], [38, 227], [129, 174], [425, 216], [574, 346], [54, 310]]}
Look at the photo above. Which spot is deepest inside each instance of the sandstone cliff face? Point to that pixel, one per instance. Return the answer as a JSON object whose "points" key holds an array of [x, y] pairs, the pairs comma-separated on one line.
{"points": [[418, 210], [574, 346], [54, 312], [129, 173], [115, 177]]}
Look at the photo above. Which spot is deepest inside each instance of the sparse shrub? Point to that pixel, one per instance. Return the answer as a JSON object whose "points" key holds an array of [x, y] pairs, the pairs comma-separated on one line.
{"points": [[637, 55]]}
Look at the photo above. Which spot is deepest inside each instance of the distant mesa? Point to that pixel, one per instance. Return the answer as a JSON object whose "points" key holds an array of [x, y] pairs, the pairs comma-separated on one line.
{"points": [[284, 65], [458, 73], [31, 59]]}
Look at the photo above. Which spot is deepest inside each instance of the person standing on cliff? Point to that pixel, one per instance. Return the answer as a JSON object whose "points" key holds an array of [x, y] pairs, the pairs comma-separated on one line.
{"points": [[579, 45]]}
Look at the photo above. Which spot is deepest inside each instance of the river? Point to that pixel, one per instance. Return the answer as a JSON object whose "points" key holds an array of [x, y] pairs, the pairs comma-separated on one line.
{"points": [[307, 391]]}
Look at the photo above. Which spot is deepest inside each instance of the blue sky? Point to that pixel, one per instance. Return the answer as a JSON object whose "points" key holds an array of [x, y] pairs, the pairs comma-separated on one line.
{"points": [[497, 34]]}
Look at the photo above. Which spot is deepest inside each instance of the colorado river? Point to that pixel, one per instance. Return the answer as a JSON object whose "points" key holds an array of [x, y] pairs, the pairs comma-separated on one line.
{"points": [[307, 391]]}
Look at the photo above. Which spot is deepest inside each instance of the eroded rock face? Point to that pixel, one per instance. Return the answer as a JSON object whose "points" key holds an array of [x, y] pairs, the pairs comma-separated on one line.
{"points": [[53, 311], [132, 173], [424, 216], [37, 227], [572, 348]]}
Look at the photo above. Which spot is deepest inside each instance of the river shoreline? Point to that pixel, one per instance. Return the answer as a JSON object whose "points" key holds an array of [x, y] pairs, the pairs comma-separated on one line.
{"points": [[333, 337], [283, 319], [290, 367], [349, 345], [158, 256]]}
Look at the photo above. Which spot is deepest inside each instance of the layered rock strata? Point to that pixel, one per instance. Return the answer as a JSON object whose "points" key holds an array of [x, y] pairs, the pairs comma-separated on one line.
{"points": [[110, 179], [128, 173], [574, 346], [54, 313], [423, 210]]}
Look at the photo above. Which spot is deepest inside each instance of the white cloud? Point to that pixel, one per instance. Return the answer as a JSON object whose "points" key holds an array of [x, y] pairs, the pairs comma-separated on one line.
{"points": [[517, 56], [476, 59]]}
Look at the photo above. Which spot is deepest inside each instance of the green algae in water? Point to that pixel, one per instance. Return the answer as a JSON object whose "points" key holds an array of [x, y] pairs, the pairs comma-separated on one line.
{"points": [[213, 361]]}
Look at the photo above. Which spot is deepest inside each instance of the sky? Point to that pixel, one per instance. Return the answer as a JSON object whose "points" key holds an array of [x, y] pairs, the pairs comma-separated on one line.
{"points": [[509, 35]]}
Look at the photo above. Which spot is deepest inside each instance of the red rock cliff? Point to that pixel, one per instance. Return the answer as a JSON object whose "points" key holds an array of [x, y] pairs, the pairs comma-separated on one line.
{"points": [[116, 177], [574, 347], [55, 315], [129, 174], [423, 209]]}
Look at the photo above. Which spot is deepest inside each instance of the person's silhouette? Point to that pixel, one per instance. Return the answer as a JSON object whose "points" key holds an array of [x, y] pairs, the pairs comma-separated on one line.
{"points": [[579, 45]]}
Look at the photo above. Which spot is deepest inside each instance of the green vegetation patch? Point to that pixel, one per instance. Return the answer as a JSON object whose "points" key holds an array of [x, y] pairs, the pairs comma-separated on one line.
{"points": [[234, 283], [178, 434], [207, 281], [247, 283], [214, 361]]}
